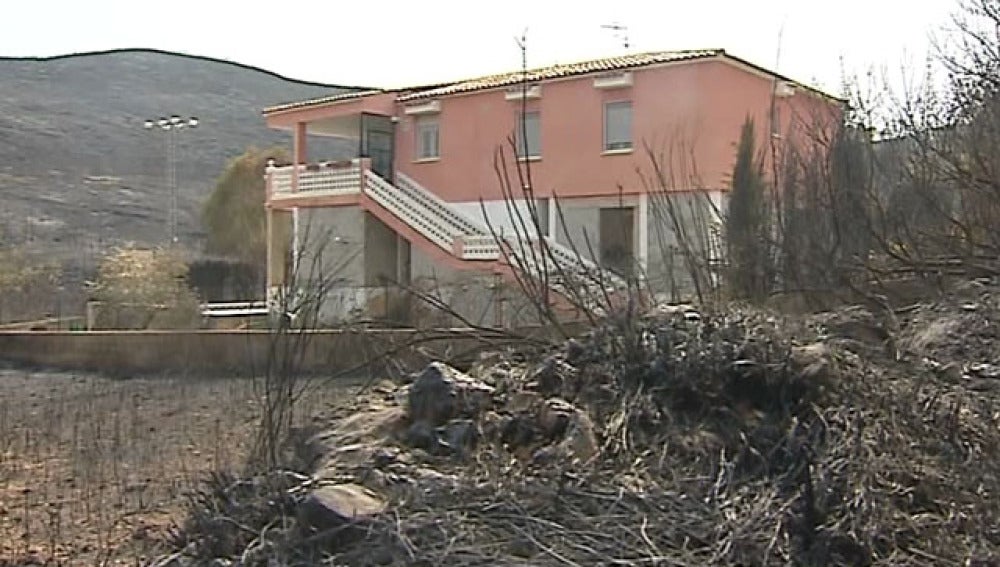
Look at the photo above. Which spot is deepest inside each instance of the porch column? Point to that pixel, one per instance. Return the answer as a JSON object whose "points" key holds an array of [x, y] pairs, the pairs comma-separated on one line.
{"points": [[300, 152], [644, 231]]}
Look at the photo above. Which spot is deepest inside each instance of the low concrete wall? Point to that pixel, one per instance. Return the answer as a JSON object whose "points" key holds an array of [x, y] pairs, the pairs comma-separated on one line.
{"points": [[234, 352]]}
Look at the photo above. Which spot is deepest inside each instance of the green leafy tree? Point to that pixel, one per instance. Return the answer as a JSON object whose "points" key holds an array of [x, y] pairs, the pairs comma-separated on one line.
{"points": [[747, 221], [234, 214]]}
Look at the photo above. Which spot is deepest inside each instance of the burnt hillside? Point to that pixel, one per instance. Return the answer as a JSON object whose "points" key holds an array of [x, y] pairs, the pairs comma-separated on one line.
{"points": [[78, 172]]}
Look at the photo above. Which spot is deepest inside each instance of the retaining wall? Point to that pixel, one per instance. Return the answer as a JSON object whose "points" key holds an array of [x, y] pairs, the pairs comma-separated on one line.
{"points": [[235, 352]]}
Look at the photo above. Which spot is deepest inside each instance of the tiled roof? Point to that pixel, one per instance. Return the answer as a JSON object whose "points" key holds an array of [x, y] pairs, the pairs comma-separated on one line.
{"points": [[323, 100], [617, 63]]}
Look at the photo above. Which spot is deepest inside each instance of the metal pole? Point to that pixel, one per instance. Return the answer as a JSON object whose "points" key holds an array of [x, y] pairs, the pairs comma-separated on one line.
{"points": [[170, 126], [167, 185], [173, 183]]}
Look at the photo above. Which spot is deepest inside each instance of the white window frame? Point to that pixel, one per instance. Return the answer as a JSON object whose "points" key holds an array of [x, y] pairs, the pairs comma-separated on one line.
{"points": [[618, 146], [522, 146], [422, 152]]}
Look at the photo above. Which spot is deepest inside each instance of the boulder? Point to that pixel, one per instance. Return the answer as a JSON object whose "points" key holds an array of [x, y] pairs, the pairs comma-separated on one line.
{"points": [[441, 393], [336, 505]]}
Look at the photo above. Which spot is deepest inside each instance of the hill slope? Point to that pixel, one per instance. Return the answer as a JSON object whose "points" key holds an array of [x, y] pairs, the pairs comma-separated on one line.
{"points": [[66, 120]]}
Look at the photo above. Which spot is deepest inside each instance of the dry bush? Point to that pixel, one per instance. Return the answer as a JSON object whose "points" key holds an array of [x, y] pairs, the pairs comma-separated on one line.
{"points": [[145, 289], [27, 285], [722, 441]]}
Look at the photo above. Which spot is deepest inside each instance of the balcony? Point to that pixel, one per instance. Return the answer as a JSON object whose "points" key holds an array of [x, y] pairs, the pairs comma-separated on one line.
{"points": [[331, 179]]}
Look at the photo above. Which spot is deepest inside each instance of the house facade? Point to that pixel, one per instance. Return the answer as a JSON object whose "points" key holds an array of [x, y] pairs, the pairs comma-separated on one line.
{"points": [[446, 175]]}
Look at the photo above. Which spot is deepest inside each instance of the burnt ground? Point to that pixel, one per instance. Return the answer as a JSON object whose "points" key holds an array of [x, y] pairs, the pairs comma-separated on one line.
{"points": [[93, 470], [687, 437]]}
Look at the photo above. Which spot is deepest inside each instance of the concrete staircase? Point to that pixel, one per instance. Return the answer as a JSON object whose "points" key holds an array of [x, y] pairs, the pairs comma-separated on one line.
{"points": [[428, 221]]}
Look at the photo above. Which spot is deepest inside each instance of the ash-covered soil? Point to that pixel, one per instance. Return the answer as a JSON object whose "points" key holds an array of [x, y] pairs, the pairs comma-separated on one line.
{"points": [[686, 437]]}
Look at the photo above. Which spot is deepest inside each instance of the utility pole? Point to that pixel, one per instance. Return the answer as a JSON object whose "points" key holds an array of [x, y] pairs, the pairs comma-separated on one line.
{"points": [[171, 127]]}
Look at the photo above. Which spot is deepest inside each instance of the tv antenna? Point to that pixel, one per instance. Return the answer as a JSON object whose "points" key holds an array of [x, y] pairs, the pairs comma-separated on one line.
{"points": [[620, 32]]}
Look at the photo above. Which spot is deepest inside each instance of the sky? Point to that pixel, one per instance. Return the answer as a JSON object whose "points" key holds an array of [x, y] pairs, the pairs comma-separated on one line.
{"points": [[394, 43]]}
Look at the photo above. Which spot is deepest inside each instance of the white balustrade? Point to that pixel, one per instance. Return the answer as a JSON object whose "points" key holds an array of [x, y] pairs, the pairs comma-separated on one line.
{"points": [[480, 247], [414, 213], [280, 179], [324, 178], [438, 205]]}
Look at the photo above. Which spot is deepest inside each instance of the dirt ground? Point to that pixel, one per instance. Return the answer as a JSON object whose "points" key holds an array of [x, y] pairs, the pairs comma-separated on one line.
{"points": [[93, 469]]}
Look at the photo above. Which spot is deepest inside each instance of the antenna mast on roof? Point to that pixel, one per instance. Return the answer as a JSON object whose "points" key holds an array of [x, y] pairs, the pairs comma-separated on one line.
{"points": [[620, 32]]}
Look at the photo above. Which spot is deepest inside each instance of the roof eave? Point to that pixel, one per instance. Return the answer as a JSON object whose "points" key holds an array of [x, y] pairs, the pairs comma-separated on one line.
{"points": [[697, 55], [780, 77], [323, 101]]}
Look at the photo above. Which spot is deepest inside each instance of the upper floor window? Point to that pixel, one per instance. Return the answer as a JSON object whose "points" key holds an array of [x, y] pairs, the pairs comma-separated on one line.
{"points": [[618, 126], [528, 133], [428, 138]]}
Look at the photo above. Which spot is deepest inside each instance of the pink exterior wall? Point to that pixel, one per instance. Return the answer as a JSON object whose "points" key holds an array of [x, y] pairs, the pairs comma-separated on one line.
{"points": [[690, 113], [687, 109]]}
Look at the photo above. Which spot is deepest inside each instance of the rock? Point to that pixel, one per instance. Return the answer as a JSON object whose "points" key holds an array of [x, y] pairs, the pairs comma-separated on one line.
{"points": [[430, 477], [488, 363], [432, 396], [422, 435], [984, 370], [490, 424], [517, 431], [369, 425], [385, 456], [951, 371], [554, 417], [812, 360], [549, 376], [664, 308], [575, 351], [440, 393], [523, 401], [339, 504], [460, 436], [548, 455], [523, 547], [374, 478], [347, 457], [580, 441], [385, 386], [856, 323]]}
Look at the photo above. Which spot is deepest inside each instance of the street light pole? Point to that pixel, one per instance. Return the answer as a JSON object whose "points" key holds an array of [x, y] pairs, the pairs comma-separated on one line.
{"points": [[171, 126]]}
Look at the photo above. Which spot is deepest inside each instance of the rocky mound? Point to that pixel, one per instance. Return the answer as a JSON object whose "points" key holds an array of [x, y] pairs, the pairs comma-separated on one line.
{"points": [[684, 439]]}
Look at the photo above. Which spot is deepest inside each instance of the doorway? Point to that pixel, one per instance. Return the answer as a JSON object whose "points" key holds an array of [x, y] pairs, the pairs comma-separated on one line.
{"points": [[377, 142], [617, 238]]}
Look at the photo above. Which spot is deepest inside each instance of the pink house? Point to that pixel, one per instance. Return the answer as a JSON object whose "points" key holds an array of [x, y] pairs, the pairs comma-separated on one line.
{"points": [[424, 195]]}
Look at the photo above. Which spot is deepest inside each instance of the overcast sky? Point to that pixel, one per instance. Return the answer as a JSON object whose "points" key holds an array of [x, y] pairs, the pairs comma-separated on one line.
{"points": [[396, 43]]}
